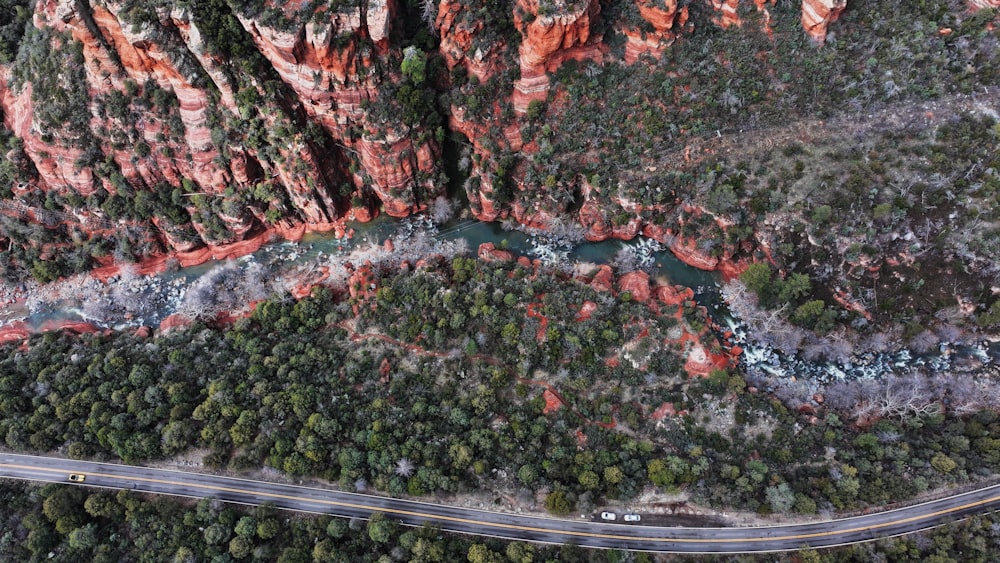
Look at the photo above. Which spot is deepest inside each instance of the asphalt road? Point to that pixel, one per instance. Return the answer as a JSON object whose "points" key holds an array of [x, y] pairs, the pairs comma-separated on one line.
{"points": [[504, 525]]}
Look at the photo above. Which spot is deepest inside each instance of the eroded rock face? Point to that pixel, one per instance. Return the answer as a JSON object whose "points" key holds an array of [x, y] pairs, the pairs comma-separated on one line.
{"points": [[158, 111], [488, 252], [667, 21], [727, 13], [637, 284], [549, 36], [329, 62], [460, 30], [817, 15]]}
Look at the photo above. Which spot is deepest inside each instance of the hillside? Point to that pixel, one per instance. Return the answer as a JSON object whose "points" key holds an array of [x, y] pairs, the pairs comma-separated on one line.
{"points": [[146, 128]]}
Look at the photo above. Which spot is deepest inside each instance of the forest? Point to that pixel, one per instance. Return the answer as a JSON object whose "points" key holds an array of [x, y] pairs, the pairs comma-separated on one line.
{"points": [[848, 190]]}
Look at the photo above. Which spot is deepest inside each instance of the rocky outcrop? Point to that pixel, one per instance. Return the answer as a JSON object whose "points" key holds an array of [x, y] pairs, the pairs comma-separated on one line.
{"points": [[335, 78], [551, 33], [488, 252], [667, 21], [636, 284], [701, 363], [686, 250], [459, 28], [603, 280], [727, 13], [981, 4], [817, 15], [297, 130]]}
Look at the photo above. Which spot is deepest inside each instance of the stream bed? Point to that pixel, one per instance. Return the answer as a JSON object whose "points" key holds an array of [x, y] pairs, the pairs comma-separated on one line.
{"points": [[131, 301]]}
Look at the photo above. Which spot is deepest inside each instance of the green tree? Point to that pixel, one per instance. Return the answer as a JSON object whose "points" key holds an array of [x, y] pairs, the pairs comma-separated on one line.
{"points": [[241, 547], [102, 505], [589, 480], [821, 214], [414, 65], [380, 528], [657, 472], [943, 463], [558, 502], [520, 552], [216, 534], [795, 287], [780, 497], [812, 314], [268, 528], [83, 538], [481, 553], [246, 527], [527, 474], [757, 278], [613, 474], [510, 333]]}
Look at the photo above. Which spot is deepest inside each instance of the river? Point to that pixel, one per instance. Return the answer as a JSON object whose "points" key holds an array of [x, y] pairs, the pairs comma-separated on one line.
{"points": [[132, 301], [74, 302]]}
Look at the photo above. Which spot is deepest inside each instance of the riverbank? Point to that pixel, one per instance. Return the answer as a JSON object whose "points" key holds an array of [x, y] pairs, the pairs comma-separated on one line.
{"points": [[269, 235]]}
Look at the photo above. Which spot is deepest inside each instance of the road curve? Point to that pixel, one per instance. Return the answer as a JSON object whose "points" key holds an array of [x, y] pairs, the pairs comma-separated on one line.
{"points": [[510, 526]]}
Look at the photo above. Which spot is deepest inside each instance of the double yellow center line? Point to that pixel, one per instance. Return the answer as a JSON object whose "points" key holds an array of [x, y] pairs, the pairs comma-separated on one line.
{"points": [[428, 516]]}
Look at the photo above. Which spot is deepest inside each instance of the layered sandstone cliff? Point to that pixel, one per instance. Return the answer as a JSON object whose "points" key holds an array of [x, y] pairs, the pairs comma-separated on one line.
{"points": [[817, 15], [295, 130], [666, 21], [551, 33]]}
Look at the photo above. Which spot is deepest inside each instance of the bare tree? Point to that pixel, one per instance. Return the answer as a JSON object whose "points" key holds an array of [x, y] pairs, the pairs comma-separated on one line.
{"points": [[428, 14], [221, 289], [404, 467], [924, 342], [442, 209]]}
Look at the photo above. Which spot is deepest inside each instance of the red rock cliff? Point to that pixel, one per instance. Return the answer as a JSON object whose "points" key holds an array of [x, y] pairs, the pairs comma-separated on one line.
{"points": [[817, 15], [667, 21], [301, 135], [551, 33]]}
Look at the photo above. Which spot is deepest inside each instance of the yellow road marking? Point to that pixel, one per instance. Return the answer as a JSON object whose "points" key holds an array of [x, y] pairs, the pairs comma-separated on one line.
{"points": [[526, 528]]}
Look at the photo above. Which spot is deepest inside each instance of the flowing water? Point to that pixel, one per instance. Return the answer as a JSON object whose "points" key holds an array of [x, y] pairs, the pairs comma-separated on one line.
{"points": [[164, 293]]}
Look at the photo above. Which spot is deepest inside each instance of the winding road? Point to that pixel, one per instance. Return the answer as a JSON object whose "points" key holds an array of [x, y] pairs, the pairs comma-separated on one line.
{"points": [[504, 525]]}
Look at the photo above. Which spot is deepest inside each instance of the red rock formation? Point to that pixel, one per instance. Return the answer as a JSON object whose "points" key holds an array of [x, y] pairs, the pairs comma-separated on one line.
{"points": [[603, 280], [700, 362], [817, 15], [727, 13], [586, 310], [675, 296], [333, 79], [458, 27], [686, 250], [552, 401], [549, 39], [174, 322], [667, 22], [78, 327], [14, 332], [488, 252], [664, 410], [637, 284], [326, 62]]}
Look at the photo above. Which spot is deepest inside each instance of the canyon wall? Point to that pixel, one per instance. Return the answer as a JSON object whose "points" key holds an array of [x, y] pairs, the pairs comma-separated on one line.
{"points": [[212, 122], [245, 123]]}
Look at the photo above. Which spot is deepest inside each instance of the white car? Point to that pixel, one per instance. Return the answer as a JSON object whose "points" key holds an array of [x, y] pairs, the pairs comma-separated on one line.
{"points": [[632, 518], [608, 516]]}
